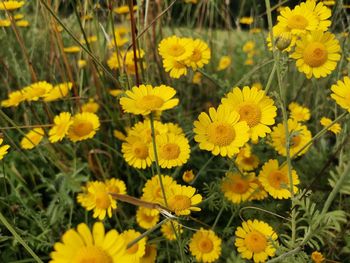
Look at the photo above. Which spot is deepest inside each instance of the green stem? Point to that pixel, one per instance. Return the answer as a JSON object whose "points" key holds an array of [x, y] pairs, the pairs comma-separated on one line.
{"points": [[202, 169], [218, 217]]}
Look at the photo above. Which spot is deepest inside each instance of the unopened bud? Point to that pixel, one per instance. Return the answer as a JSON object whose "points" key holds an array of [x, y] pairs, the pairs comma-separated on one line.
{"points": [[283, 40]]}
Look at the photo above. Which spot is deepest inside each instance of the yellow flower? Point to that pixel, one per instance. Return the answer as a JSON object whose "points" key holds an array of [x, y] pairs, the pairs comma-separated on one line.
{"points": [[175, 68], [32, 138], [168, 230], [178, 49], [248, 46], [134, 253], [145, 99], [37, 90], [341, 93], [14, 99], [182, 199], [83, 245], [3, 149], [150, 255], [247, 20], [145, 218], [144, 131], [298, 112], [335, 128], [284, 40], [245, 160], [259, 193], [255, 30], [197, 78], [174, 128], [283, 33], [81, 63], [119, 135], [115, 186], [5, 22], [322, 12], [11, 5], [62, 122], [200, 56], [256, 240], [205, 245], [90, 106], [119, 36], [90, 39], [317, 257], [57, 92], [317, 54], [18, 16], [275, 180], [72, 49], [124, 9], [257, 85], [224, 63], [188, 176], [22, 23], [238, 188], [84, 126], [328, 2], [116, 92], [172, 150], [221, 132], [299, 137], [96, 196], [136, 152], [254, 107], [249, 62], [125, 61]]}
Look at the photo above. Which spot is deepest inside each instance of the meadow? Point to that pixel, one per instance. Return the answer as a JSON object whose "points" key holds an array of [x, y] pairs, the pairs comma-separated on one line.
{"points": [[174, 131]]}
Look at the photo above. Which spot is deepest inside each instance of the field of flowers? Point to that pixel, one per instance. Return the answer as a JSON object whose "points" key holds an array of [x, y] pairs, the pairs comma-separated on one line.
{"points": [[174, 131]]}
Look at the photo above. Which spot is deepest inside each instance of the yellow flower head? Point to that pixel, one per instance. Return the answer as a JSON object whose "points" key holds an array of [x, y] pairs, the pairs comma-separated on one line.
{"points": [[116, 92], [174, 128], [183, 199], [136, 152], [22, 23], [5, 23], [57, 92], [178, 49], [135, 252], [317, 257], [275, 180], [11, 5], [246, 160], [96, 196], [145, 99], [248, 46], [81, 63], [72, 49], [259, 193], [175, 68], [317, 54], [254, 107], [205, 245], [322, 13], [150, 255], [145, 218], [3, 149], [14, 99], [298, 112], [200, 56], [197, 78], [224, 63], [124, 9], [62, 122], [256, 240], [84, 126], [143, 130], [299, 137], [238, 188], [84, 245], [32, 138], [188, 176], [335, 128], [37, 90], [246, 20], [341, 93], [90, 106], [168, 230]]}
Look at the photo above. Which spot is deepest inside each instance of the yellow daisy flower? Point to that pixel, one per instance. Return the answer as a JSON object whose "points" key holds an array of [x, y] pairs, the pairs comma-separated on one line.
{"points": [[298, 112], [175, 68], [14, 99], [299, 137], [259, 193], [237, 188], [62, 122], [182, 199], [248, 46], [5, 23], [150, 255], [197, 78], [145, 99], [322, 12], [116, 92], [144, 131], [18, 16], [317, 54], [174, 128], [254, 107], [282, 35], [83, 245], [172, 150], [84, 126], [224, 63], [81, 63], [205, 246], [37, 90], [178, 49], [72, 49], [32, 138], [136, 152], [3, 149], [146, 219], [275, 180], [11, 5], [22, 23], [134, 253], [341, 93], [95, 196], [246, 20], [335, 128], [124, 9], [188, 176], [256, 240], [200, 56], [246, 160], [317, 257], [221, 132], [168, 230], [90, 106], [115, 186], [58, 91]]}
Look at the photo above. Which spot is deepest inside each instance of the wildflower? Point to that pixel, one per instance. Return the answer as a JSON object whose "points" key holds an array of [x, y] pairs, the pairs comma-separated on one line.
{"points": [[90, 106], [200, 56], [221, 132], [146, 219], [136, 251], [119, 135], [256, 240], [11, 5], [58, 91], [18, 16], [335, 128], [255, 30], [245, 160], [167, 230], [82, 63], [32, 138], [5, 23], [341, 93], [197, 78], [119, 36], [317, 54], [144, 131], [259, 193], [37, 90], [124, 9], [317, 257], [62, 122], [145, 99], [298, 112], [182, 199], [246, 20], [299, 137], [84, 126], [14, 99], [238, 188], [224, 63], [254, 107], [322, 13], [22, 23], [249, 46], [136, 152], [174, 128], [176, 48], [257, 85], [205, 245], [281, 37], [72, 49], [84, 245], [150, 254], [116, 92], [90, 39], [283, 40], [95, 196], [125, 61], [275, 180], [175, 68], [3, 149], [188, 176], [115, 186]]}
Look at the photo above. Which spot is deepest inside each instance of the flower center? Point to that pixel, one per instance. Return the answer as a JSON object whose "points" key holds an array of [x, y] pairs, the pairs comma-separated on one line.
{"points": [[249, 160], [297, 22], [205, 245], [102, 200], [221, 134], [83, 128], [180, 202], [196, 56], [92, 254], [277, 179], [133, 249], [150, 102], [239, 186], [140, 150], [62, 128], [255, 241], [250, 113], [176, 50], [170, 151], [315, 54]]}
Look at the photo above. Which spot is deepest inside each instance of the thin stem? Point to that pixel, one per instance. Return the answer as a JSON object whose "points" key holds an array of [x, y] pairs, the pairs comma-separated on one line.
{"points": [[202, 170]]}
